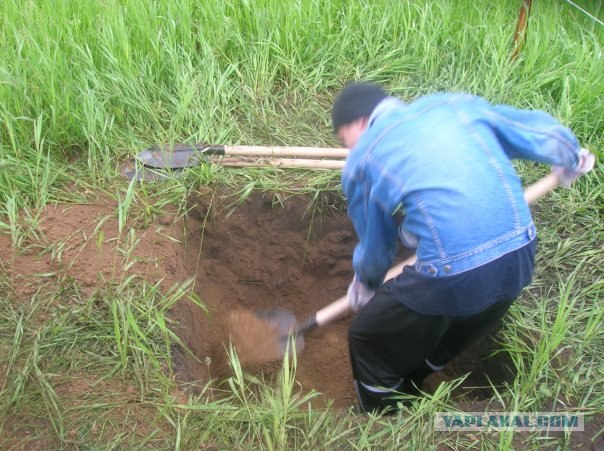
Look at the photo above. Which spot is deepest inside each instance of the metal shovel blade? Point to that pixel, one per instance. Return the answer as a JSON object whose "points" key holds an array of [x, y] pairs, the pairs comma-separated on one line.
{"points": [[287, 327], [174, 156], [134, 170]]}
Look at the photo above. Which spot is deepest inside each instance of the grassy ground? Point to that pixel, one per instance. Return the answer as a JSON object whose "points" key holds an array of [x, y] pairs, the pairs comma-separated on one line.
{"points": [[84, 84]]}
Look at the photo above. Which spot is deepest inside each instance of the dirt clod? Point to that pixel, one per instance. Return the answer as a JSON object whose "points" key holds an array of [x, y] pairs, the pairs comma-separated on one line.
{"points": [[256, 340]]}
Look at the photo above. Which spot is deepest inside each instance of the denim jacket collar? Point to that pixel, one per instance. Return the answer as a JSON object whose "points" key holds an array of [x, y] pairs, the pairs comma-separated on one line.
{"points": [[385, 106]]}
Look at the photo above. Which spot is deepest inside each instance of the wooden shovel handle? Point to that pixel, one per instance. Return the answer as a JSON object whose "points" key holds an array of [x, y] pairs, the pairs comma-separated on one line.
{"points": [[253, 151], [540, 188], [341, 307], [284, 163], [283, 151]]}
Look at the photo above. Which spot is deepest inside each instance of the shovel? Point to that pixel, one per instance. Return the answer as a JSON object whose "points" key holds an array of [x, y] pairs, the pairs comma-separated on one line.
{"points": [[160, 163], [178, 156], [285, 322]]}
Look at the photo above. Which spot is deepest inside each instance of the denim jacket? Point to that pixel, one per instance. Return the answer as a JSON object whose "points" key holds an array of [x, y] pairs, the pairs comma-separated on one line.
{"points": [[445, 161]]}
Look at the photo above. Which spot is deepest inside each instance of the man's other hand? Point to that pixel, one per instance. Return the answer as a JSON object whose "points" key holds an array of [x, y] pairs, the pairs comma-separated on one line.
{"points": [[585, 164]]}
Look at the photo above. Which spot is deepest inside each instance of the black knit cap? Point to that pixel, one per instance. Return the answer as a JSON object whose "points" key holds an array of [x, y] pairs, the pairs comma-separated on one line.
{"points": [[355, 101]]}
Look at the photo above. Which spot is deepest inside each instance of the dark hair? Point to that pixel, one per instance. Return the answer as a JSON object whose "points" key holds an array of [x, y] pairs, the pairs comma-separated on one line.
{"points": [[355, 101]]}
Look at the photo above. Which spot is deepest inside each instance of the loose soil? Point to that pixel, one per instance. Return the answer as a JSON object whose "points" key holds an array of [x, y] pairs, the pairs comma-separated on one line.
{"points": [[81, 243], [263, 255]]}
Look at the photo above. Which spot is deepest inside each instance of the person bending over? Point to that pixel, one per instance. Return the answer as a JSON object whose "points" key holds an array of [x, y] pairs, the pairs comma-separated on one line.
{"points": [[444, 161]]}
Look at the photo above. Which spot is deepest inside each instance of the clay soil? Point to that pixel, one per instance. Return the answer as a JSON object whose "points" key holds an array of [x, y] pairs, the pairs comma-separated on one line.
{"points": [[80, 243]]}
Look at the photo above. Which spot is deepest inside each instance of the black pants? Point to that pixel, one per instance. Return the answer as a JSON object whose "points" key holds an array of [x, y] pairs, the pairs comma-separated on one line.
{"points": [[393, 348], [415, 325]]}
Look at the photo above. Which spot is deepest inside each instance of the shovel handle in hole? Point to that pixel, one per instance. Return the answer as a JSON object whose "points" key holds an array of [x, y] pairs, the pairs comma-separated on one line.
{"points": [[341, 307]]}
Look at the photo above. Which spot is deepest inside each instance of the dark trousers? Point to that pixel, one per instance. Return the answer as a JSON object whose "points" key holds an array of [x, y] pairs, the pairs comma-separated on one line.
{"points": [[393, 348], [415, 324]]}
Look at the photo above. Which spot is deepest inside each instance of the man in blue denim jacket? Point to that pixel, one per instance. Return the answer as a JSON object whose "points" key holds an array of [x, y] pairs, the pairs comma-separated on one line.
{"points": [[442, 161]]}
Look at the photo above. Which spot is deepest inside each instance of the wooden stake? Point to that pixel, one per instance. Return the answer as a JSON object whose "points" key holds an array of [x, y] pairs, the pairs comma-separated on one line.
{"points": [[520, 34]]}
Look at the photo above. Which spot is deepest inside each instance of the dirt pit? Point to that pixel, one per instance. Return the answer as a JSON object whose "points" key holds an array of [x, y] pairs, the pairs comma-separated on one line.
{"points": [[260, 255], [267, 253]]}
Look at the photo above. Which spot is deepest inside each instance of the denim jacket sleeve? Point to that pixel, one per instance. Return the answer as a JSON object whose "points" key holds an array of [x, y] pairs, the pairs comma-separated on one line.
{"points": [[533, 135], [376, 230]]}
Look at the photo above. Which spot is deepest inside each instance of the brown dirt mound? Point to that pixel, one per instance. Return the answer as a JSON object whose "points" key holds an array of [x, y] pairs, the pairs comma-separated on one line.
{"points": [[81, 243]]}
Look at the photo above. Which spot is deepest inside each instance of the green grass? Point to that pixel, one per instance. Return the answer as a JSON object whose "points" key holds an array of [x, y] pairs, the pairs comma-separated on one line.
{"points": [[84, 84]]}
